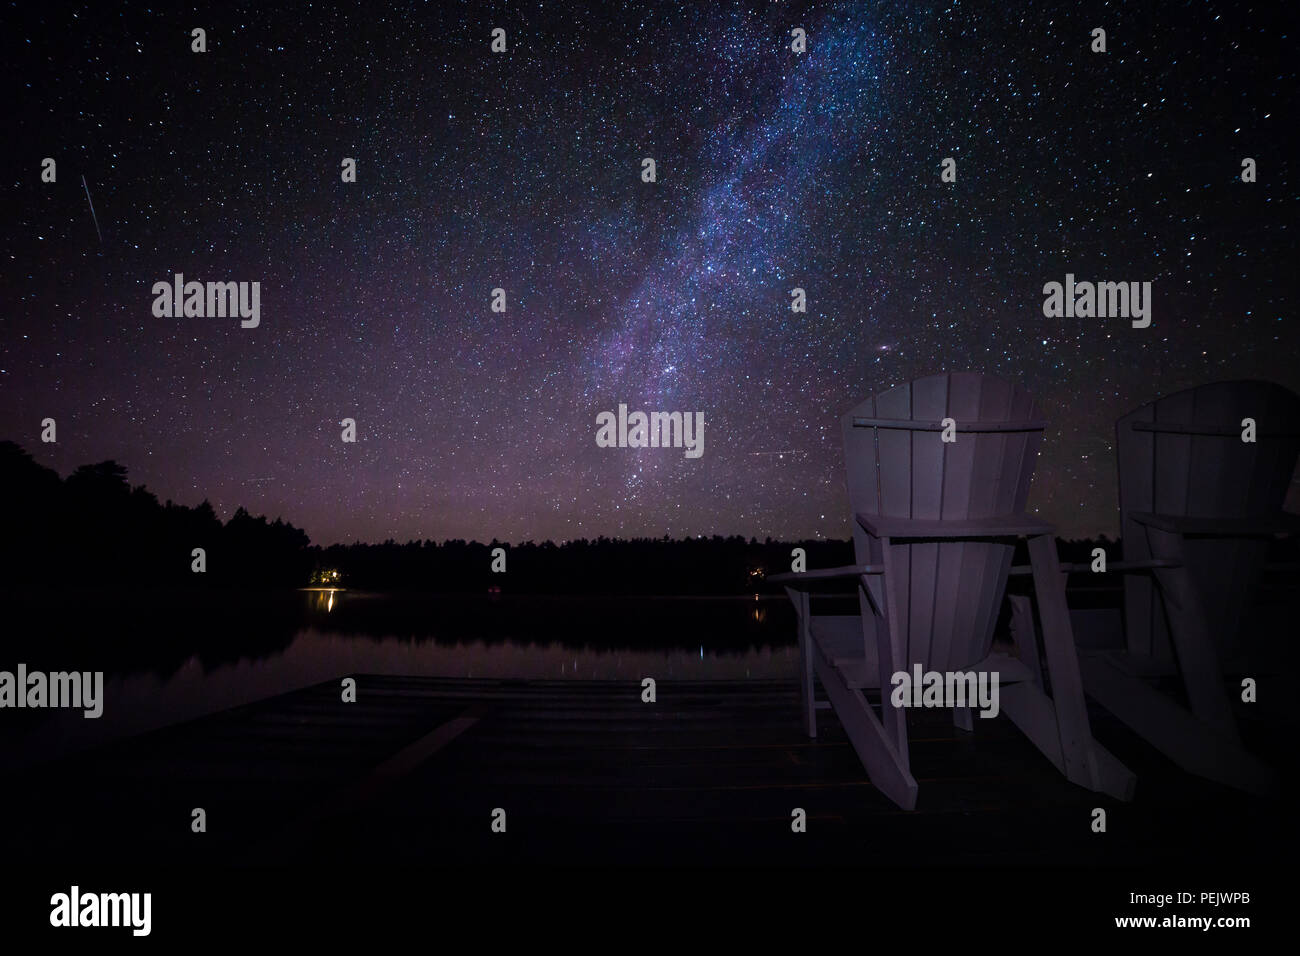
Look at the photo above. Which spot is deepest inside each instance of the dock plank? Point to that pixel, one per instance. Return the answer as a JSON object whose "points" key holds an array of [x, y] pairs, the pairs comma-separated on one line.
{"points": [[589, 773]]}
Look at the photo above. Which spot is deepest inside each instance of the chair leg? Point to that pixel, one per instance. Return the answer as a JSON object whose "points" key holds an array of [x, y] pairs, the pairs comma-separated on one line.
{"points": [[891, 645], [1078, 759], [885, 766], [1025, 635], [1197, 660], [880, 740], [1033, 712], [1174, 731], [807, 696]]}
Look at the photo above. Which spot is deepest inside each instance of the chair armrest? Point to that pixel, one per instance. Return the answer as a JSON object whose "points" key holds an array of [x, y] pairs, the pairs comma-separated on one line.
{"points": [[1123, 567], [1262, 525], [1004, 526], [793, 579]]}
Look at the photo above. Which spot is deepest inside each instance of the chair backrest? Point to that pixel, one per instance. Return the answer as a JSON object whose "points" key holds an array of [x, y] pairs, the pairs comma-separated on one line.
{"points": [[949, 592], [1183, 455]]}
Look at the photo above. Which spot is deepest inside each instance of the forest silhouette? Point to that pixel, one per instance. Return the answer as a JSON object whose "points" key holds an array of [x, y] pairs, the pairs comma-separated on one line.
{"points": [[94, 529]]}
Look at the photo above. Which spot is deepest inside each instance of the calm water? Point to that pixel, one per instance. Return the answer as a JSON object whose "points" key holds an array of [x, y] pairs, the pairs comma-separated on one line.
{"points": [[248, 651]]}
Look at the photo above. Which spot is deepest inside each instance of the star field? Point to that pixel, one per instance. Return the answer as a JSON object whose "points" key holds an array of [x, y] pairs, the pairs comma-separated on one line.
{"points": [[522, 170]]}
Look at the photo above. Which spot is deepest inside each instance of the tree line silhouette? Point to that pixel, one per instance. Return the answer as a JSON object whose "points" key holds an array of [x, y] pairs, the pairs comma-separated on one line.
{"points": [[93, 528], [689, 566]]}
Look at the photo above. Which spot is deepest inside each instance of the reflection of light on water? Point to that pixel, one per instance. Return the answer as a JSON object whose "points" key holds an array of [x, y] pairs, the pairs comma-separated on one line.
{"points": [[323, 598]]}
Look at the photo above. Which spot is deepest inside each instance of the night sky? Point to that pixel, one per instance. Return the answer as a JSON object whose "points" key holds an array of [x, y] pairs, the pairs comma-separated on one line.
{"points": [[522, 170]]}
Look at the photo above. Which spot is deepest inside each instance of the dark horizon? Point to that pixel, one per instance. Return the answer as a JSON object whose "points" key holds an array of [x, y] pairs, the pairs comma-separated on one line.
{"points": [[148, 543], [225, 512], [12, 454]]}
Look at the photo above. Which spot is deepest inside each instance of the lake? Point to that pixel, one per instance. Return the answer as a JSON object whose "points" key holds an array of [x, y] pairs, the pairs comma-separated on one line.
{"points": [[170, 657]]}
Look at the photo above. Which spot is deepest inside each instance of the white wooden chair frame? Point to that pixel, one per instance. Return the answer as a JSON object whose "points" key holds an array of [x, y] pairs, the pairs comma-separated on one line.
{"points": [[850, 654]]}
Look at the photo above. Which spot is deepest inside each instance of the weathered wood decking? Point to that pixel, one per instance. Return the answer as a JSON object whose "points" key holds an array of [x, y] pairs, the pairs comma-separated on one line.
{"points": [[587, 773]]}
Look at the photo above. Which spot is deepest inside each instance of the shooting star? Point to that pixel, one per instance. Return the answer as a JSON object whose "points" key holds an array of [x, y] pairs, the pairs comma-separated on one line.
{"points": [[92, 210]]}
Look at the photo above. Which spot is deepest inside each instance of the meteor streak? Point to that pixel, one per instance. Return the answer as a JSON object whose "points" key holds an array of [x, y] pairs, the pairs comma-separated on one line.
{"points": [[92, 210]]}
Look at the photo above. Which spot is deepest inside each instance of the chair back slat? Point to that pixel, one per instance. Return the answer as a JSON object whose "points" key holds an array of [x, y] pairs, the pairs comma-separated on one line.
{"points": [[929, 401], [1001, 487], [959, 561]]}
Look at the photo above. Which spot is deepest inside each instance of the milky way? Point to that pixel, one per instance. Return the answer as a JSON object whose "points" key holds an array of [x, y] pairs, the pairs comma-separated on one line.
{"points": [[522, 171]]}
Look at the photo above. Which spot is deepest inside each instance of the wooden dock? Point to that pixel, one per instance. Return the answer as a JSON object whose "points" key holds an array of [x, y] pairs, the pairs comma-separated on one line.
{"points": [[587, 773]]}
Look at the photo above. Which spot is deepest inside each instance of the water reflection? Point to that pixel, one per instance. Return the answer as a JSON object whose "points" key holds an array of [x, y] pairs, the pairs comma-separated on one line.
{"points": [[322, 599], [169, 658]]}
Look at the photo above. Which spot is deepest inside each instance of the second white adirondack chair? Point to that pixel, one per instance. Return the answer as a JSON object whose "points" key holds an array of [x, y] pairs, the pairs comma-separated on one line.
{"points": [[1197, 504], [934, 529]]}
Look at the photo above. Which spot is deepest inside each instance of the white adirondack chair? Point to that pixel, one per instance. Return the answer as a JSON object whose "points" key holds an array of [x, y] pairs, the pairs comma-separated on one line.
{"points": [[1197, 505], [934, 530]]}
